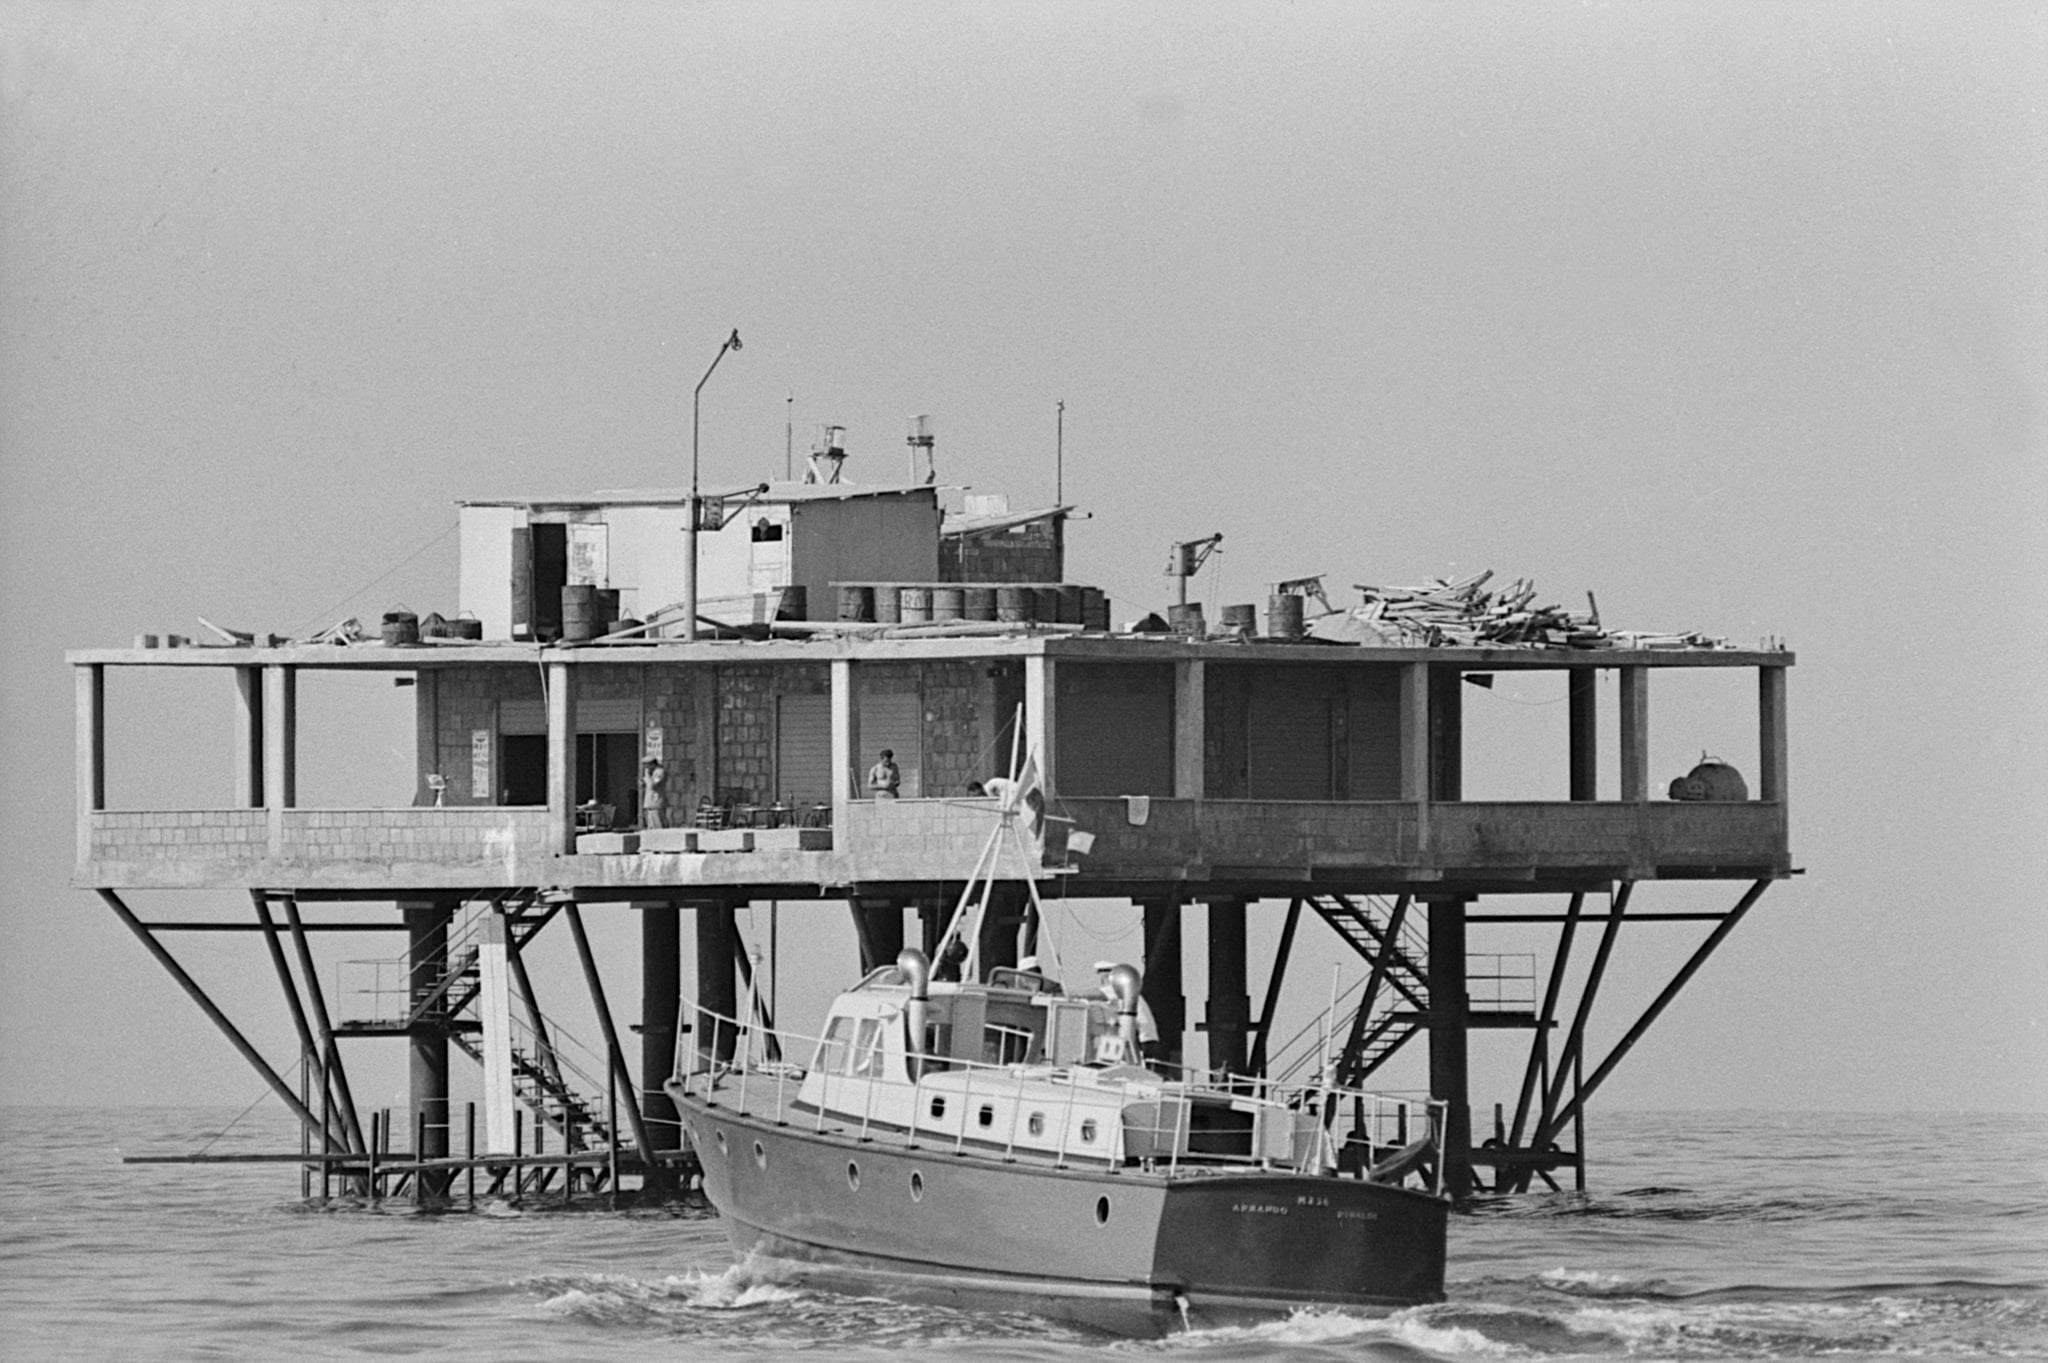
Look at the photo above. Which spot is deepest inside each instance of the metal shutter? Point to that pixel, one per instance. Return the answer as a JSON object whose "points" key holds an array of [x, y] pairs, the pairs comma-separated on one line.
{"points": [[1289, 733], [803, 749], [1114, 729], [891, 719]]}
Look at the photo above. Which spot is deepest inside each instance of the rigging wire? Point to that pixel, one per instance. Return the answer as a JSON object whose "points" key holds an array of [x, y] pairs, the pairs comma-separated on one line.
{"points": [[444, 533]]}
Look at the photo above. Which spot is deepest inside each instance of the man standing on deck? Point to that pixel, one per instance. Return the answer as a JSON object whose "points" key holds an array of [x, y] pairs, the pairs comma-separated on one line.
{"points": [[883, 777]]}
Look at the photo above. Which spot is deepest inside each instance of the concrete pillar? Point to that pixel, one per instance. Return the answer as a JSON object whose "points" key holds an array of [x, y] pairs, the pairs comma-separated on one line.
{"points": [[843, 739], [717, 980], [1040, 684], [1230, 1006], [280, 748], [1771, 746], [1190, 729], [249, 737], [661, 976], [1583, 700], [426, 954], [1446, 734], [1415, 746], [1635, 734], [426, 732], [90, 683], [1164, 993], [561, 759], [1449, 1019]]}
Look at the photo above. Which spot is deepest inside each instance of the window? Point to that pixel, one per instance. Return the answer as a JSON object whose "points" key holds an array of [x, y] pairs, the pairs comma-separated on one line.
{"points": [[987, 1115], [1036, 1126], [1088, 1131], [832, 1051], [1005, 1045], [867, 1050]]}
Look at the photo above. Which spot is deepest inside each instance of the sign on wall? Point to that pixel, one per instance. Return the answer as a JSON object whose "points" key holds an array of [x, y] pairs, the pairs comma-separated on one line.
{"points": [[480, 765], [588, 564]]}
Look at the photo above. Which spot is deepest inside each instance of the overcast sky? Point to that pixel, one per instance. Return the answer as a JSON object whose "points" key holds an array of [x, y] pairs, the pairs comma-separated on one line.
{"points": [[1734, 315]]}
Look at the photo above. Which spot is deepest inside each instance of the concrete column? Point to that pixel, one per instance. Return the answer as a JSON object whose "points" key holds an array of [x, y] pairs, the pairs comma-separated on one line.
{"points": [[1635, 734], [843, 739], [1230, 1007], [426, 953], [1583, 700], [426, 732], [249, 737], [1190, 729], [1040, 684], [1449, 1019], [90, 683], [280, 748], [661, 976], [1446, 734], [1164, 993], [1771, 746], [561, 759], [717, 980], [1415, 746]]}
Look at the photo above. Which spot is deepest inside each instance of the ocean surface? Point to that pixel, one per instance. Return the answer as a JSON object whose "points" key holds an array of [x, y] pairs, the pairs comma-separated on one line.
{"points": [[1704, 1236]]}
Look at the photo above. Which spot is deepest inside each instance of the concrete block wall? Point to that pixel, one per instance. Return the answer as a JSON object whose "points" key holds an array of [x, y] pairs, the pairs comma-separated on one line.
{"points": [[747, 696], [445, 837], [466, 700], [179, 835], [1033, 552], [957, 728]]}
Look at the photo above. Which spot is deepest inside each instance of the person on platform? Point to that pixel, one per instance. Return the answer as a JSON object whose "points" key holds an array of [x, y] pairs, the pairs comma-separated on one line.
{"points": [[653, 776], [884, 777], [1148, 1026]]}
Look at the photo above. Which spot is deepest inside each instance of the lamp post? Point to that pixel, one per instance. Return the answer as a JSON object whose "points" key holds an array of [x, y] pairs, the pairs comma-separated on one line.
{"points": [[732, 342]]}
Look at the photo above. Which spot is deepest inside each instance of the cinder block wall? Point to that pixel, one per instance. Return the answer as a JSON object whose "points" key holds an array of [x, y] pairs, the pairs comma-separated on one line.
{"points": [[1034, 552]]}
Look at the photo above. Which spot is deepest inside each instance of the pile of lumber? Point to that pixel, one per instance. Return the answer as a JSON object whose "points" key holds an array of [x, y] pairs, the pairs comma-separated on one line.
{"points": [[1465, 614]]}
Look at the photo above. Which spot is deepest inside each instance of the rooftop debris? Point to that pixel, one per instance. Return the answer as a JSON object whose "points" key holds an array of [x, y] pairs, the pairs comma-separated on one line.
{"points": [[1464, 614]]}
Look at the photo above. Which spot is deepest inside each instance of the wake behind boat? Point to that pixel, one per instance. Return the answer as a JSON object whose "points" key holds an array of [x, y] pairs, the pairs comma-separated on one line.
{"points": [[1001, 1138]]}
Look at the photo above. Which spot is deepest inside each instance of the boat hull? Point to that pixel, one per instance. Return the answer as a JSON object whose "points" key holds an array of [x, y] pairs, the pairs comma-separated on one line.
{"points": [[1116, 1247]]}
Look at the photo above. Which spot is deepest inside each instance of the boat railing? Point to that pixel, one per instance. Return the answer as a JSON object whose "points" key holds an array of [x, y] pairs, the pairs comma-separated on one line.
{"points": [[738, 1064]]}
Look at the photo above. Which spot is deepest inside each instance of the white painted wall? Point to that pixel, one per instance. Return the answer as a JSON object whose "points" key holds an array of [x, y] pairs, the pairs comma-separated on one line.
{"points": [[485, 589]]}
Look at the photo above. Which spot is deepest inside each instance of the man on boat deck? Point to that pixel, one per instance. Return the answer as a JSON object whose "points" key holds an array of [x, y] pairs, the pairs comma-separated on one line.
{"points": [[884, 777], [1148, 1026]]}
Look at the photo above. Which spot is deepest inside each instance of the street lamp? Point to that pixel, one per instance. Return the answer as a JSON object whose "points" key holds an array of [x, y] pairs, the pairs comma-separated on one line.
{"points": [[732, 342]]}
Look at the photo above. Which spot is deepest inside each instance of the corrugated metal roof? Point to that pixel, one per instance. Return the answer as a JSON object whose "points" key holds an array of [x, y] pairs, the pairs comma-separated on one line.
{"points": [[956, 524]]}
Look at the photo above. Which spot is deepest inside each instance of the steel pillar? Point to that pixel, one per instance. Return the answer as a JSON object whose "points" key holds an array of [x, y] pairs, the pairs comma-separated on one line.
{"points": [[661, 977], [1163, 991], [426, 938], [1449, 1022], [1230, 1007], [717, 982]]}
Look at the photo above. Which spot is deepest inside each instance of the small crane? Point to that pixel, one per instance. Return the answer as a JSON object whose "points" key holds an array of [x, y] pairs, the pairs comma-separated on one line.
{"points": [[1186, 559]]}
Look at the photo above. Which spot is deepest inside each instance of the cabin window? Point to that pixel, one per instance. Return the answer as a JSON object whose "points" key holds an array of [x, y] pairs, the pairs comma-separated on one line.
{"points": [[1088, 1131], [760, 1156], [1005, 1045], [1101, 1211], [853, 1176], [832, 1050], [1036, 1126], [938, 1106], [987, 1115], [767, 532], [867, 1049], [916, 1186]]}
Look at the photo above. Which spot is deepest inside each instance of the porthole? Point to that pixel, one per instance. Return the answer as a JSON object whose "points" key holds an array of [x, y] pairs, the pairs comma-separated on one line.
{"points": [[720, 1138], [938, 1106], [916, 1186], [760, 1156], [1088, 1131], [987, 1115], [853, 1175], [1101, 1211], [1036, 1126]]}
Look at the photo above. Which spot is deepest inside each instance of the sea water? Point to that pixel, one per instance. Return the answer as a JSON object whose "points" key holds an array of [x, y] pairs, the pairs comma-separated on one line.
{"points": [[1702, 1236]]}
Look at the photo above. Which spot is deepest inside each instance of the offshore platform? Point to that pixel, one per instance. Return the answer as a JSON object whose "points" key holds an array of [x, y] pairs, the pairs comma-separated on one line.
{"points": [[664, 703]]}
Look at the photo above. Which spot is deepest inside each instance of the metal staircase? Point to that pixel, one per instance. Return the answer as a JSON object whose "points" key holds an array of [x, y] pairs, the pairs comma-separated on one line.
{"points": [[557, 1091]]}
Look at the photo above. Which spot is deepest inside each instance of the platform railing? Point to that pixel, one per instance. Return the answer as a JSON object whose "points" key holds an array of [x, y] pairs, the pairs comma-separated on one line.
{"points": [[756, 1086]]}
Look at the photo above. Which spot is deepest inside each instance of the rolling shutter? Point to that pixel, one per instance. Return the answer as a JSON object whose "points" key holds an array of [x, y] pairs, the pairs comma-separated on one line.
{"points": [[1114, 727], [892, 719], [803, 749]]}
